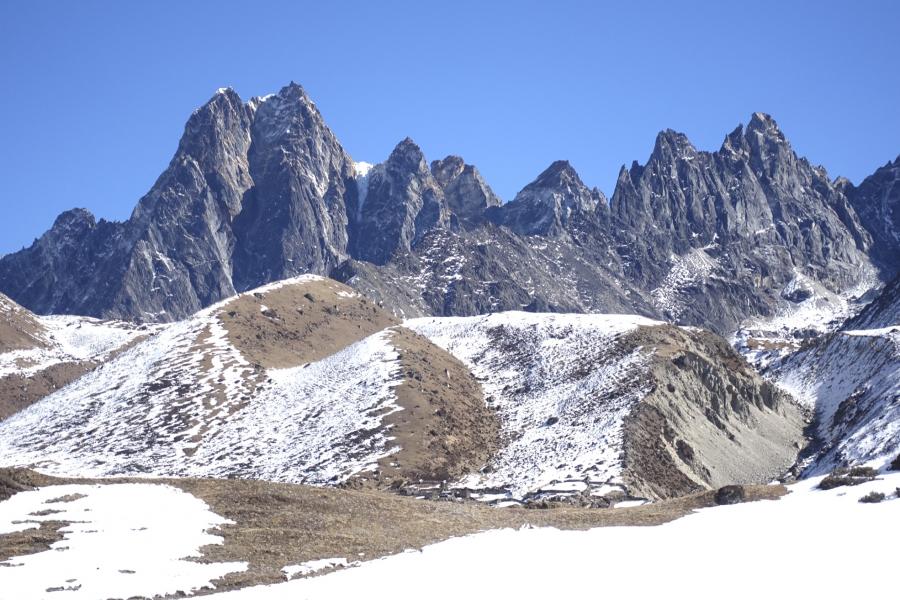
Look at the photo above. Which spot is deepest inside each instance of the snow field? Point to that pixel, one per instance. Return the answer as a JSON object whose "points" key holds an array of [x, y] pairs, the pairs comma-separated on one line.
{"points": [[125, 540], [809, 544]]}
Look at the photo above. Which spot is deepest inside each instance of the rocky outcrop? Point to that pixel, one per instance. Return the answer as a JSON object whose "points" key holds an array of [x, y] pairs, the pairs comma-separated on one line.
{"points": [[468, 195], [877, 202], [402, 203], [709, 419]]}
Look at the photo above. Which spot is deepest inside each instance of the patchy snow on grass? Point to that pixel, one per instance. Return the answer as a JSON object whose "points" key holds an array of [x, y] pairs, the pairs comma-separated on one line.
{"points": [[809, 544], [187, 403], [70, 339], [123, 540], [561, 386]]}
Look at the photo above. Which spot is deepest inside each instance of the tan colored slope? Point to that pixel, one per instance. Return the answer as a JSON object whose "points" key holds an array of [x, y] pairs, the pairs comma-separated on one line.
{"points": [[276, 525], [445, 429], [18, 392], [710, 419], [295, 324], [19, 329]]}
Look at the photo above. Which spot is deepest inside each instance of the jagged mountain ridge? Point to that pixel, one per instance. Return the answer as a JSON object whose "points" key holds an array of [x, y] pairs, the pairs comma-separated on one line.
{"points": [[261, 191]]}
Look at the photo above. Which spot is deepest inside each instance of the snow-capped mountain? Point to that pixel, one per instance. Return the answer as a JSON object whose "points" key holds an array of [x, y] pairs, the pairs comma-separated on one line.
{"points": [[262, 190], [307, 381]]}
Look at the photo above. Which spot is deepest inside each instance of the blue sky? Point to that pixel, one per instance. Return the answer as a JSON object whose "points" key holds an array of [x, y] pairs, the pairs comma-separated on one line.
{"points": [[94, 95]]}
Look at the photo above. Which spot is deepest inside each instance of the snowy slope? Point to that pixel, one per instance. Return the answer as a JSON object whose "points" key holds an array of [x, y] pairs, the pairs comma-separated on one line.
{"points": [[807, 311], [809, 544], [69, 339], [123, 541], [672, 297], [186, 402], [561, 386], [852, 381]]}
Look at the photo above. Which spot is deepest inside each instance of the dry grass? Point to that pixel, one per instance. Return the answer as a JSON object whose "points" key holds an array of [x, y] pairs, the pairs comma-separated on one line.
{"points": [[19, 329], [445, 429], [282, 524], [300, 323]]}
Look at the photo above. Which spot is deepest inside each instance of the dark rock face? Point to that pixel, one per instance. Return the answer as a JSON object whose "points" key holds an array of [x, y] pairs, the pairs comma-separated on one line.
{"points": [[262, 190], [402, 202], [553, 203], [468, 195], [730, 494], [718, 236], [254, 193], [59, 271], [294, 219], [877, 202]]}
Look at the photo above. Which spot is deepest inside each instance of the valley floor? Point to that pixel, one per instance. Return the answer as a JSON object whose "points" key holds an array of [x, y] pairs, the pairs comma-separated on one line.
{"points": [[247, 538]]}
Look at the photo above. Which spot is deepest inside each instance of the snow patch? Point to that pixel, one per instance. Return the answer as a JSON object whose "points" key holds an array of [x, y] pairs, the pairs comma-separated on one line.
{"points": [[314, 566], [124, 540]]}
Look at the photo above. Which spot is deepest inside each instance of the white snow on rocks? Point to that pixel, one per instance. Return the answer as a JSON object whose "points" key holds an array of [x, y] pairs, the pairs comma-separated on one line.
{"points": [[686, 271], [560, 385], [764, 341], [809, 544], [362, 171], [852, 381], [124, 540]]}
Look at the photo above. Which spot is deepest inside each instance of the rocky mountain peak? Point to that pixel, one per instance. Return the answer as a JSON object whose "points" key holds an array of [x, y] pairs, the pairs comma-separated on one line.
{"points": [[877, 202], [447, 169], [670, 142], [407, 156], [763, 124], [547, 205], [75, 218], [467, 194], [559, 174], [402, 202]]}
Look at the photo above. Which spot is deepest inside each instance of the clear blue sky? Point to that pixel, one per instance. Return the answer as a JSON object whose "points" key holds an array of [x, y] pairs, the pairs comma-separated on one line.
{"points": [[95, 94]]}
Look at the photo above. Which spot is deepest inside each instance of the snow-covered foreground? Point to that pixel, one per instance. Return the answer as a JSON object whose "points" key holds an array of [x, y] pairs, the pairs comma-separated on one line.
{"points": [[124, 540], [561, 387], [809, 544]]}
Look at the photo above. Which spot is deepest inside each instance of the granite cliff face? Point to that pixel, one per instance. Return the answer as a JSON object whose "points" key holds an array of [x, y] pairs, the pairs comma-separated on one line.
{"points": [[877, 202], [262, 190], [720, 236]]}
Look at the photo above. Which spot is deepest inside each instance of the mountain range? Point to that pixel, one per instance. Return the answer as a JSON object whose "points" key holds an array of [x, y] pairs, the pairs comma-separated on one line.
{"points": [[287, 361], [262, 190]]}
